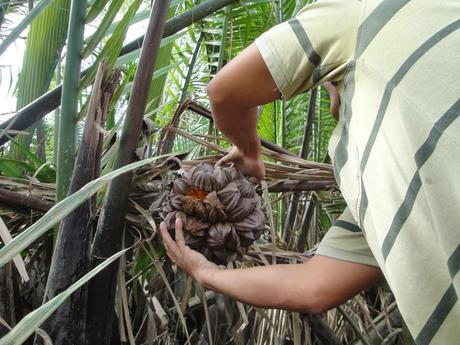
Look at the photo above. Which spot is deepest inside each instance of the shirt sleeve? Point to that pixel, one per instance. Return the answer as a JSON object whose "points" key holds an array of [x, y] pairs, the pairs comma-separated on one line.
{"points": [[313, 47], [345, 241]]}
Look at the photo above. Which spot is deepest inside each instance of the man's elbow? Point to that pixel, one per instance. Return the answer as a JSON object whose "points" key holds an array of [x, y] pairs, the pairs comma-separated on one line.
{"points": [[319, 306], [217, 93], [313, 300]]}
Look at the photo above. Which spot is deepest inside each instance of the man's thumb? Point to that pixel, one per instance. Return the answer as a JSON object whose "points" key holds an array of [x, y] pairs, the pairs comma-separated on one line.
{"points": [[224, 160]]}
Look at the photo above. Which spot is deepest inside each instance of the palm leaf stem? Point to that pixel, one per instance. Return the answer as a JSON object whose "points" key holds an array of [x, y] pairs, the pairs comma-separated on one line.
{"points": [[69, 99], [168, 142], [45, 40], [291, 214], [71, 255]]}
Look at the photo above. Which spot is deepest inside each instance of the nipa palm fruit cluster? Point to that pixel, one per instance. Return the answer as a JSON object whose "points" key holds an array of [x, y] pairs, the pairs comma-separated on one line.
{"points": [[220, 210]]}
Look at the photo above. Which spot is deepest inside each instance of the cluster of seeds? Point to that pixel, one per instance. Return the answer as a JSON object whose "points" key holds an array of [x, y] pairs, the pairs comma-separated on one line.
{"points": [[220, 210]]}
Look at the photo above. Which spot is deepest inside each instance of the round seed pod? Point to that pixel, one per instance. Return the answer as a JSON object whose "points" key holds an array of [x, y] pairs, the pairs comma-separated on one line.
{"points": [[254, 221], [193, 207], [243, 208], [229, 196], [195, 226], [214, 208], [202, 177], [246, 188], [181, 186], [223, 177], [220, 210], [218, 234]]}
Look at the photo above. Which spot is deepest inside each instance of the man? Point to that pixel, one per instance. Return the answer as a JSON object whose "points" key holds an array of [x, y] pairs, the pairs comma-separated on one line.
{"points": [[395, 151]]}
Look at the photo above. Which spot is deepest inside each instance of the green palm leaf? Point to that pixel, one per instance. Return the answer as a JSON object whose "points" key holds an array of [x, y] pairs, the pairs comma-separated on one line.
{"points": [[44, 43], [38, 8]]}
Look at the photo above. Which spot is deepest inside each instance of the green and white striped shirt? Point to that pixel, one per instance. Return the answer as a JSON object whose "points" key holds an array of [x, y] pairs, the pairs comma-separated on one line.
{"points": [[396, 148]]}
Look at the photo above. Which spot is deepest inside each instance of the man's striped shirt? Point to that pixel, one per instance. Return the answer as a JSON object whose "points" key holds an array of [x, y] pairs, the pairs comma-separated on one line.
{"points": [[396, 148]]}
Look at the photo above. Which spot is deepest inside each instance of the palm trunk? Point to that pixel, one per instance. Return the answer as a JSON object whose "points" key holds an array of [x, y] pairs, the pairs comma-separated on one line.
{"points": [[41, 141], [72, 252], [69, 100], [110, 227]]}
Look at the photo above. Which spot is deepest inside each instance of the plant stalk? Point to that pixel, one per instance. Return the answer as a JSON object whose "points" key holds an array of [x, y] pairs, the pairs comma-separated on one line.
{"points": [[108, 237], [69, 99]]}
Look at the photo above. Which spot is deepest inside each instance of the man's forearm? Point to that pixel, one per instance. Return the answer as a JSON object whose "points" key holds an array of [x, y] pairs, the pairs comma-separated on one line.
{"points": [[239, 125], [235, 94], [276, 286], [314, 286]]}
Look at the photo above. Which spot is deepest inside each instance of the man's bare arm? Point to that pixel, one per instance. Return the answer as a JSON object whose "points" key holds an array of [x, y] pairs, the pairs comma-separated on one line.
{"points": [[315, 286], [235, 93]]}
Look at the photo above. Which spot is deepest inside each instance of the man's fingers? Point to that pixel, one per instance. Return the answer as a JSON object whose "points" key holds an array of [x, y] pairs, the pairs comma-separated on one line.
{"points": [[180, 233], [167, 240], [171, 257], [164, 232], [224, 160], [231, 157], [334, 97]]}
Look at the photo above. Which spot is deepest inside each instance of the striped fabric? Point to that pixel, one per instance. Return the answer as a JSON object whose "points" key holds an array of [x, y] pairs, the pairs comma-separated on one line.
{"points": [[396, 148], [345, 241]]}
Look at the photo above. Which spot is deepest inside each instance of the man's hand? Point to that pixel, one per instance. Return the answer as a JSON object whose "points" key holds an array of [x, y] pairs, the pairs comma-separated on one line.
{"points": [[334, 98], [192, 262], [246, 165]]}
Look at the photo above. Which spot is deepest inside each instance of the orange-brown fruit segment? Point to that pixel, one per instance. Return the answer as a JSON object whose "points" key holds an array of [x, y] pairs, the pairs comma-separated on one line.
{"points": [[197, 193], [193, 207]]}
